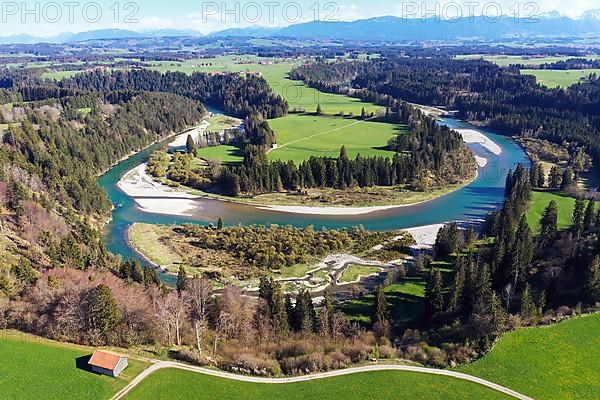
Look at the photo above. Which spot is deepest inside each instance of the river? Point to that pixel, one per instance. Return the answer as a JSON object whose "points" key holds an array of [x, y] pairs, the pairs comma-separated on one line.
{"points": [[473, 202]]}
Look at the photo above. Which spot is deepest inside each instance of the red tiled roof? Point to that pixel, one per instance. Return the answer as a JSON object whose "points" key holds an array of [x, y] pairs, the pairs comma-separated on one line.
{"points": [[105, 359]]}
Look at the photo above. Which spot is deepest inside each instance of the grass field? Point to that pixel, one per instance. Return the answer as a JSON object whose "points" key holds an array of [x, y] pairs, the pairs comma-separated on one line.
{"points": [[505, 61], [300, 136], [560, 362], [275, 72], [405, 299], [540, 201], [225, 153], [303, 136], [32, 368], [354, 272], [556, 78], [387, 385]]}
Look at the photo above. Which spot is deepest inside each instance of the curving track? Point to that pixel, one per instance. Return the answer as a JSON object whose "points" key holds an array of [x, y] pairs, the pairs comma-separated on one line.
{"points": [[168, 364]]}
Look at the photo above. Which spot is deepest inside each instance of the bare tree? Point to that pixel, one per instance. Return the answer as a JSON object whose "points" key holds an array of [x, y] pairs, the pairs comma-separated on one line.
{"points": [[164, 306], [238, 311], [199, 294]]}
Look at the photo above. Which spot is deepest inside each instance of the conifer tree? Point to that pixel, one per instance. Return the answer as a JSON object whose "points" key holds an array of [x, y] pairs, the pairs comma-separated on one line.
{"points": [[279, 312], [592, 286], [497, 315], [458, 287], [380, 318], [106, 316], [548, 224], [290, 311], [567, 179], [589, 219], [181, 284], [529, 310], [190, 145], [578, 218], [434, 296], [521, 253], [555, 178], [326, 315]]}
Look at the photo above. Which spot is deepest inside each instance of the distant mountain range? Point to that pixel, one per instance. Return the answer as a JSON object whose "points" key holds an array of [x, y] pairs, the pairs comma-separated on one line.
{"points": [[102, 34], [388, 28]]}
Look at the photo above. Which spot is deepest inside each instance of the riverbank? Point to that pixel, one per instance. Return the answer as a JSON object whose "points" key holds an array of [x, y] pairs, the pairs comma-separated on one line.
{"points": [[153, 197], [180, 140], [472, 136]]}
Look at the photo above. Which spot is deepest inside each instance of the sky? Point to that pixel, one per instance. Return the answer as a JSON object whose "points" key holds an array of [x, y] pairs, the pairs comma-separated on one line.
{"points": [[51, 17]]}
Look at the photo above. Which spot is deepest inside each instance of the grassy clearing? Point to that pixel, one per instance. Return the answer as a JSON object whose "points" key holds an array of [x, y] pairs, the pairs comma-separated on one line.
{"points": [[296, 271], [177, 384], [355, 272], [552, 363], [560, 78], [540, 201], [225, 153], [302, 136], [405, 300], [59, 75], [33, 368]]}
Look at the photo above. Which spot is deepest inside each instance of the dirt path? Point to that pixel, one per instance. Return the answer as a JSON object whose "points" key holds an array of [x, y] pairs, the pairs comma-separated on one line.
{"points": [[168, 364]]}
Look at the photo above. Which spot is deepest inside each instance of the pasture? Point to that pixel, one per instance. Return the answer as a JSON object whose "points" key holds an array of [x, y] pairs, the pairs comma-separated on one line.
{"points": [[171, 384], [301, 136], [552, 363], [560, 78], [34, 368]]}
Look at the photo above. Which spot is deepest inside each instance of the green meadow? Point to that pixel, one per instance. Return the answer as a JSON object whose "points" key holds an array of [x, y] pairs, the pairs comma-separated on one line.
{"points": [[33, 368], [505, 61], [562, 78], [301, 136], [173, 384], [406, 300], [559, 362], [540, 201]]}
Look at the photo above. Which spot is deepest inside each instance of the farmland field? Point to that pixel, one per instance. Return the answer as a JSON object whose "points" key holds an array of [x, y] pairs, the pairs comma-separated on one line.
{"points": [[173, 384], [303, 136], [324, 134], [551, 363], [562, 78], [275, 72], [540, 201], [505, 61], [46, 370]]}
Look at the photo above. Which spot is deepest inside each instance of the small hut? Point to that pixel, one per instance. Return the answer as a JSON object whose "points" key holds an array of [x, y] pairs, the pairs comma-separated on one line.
{"points": [[107, 363]]}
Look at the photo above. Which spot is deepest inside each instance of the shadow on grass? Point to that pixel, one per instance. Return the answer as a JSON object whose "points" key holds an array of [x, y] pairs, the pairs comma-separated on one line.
{"points": [[82, 364]]}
